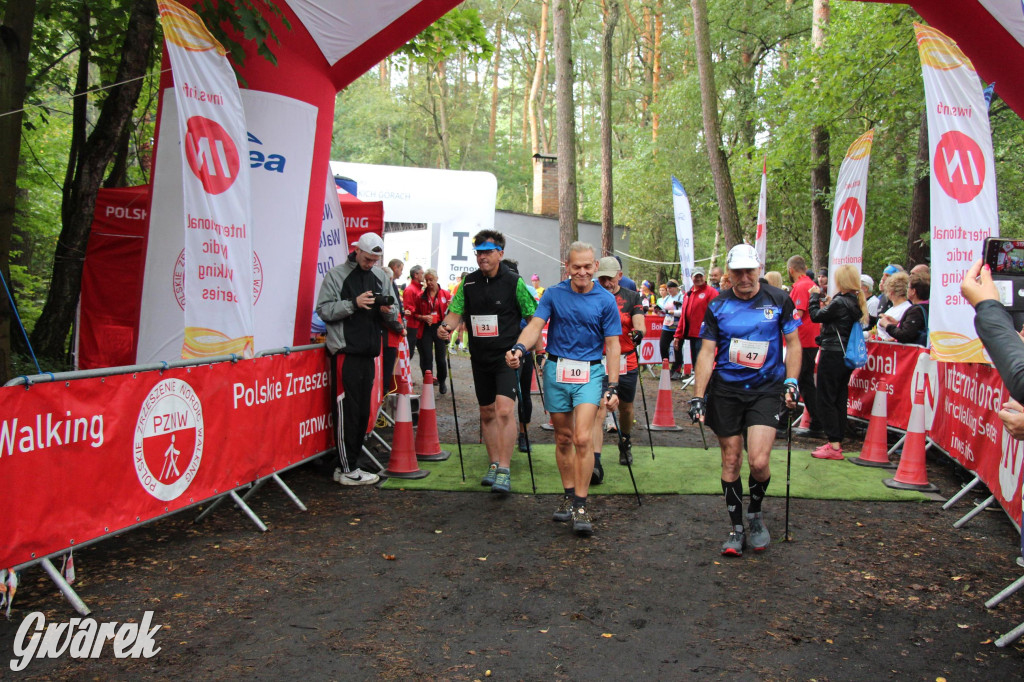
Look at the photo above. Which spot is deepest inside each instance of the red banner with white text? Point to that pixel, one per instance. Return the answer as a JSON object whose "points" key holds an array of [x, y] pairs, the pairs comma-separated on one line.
{"points": [[890, 365], [89, 457]]}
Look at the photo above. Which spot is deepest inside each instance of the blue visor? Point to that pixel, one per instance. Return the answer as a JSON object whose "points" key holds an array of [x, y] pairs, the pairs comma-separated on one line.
{"points": [[487, 246], [891, 270]]}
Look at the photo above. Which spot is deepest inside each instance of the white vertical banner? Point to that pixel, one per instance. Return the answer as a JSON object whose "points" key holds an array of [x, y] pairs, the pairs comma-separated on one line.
{"points": [[846, 244], [333, 242], [684, 232], [761, 236], [963, 207], [218, 278]]}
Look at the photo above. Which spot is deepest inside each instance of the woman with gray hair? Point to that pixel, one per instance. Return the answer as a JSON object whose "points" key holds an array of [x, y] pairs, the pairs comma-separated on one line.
{"points": [[896, 288]]}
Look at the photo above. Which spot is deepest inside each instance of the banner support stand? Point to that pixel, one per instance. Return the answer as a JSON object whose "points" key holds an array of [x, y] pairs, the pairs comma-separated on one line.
{"points": [[963, 491], [209, 510], [248, 511], [62, 585], [281, 484], [974, 512]]}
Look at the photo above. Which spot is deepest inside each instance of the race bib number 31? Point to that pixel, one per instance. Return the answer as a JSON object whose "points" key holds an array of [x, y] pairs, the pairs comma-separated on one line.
{"points": [[484, 325], [748, 353], [572, 371]]}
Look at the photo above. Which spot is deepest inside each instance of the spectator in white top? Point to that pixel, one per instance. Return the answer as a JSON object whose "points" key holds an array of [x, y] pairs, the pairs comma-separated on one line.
{"points": [[896, 289]]}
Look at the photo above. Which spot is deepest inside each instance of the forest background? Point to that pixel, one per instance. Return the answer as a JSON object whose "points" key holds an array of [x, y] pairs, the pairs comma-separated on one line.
{"points": [[795, 82]]}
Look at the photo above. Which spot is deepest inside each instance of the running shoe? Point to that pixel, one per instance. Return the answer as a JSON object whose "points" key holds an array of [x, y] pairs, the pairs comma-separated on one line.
{"points": [[522, 443], [759, 536], [826, 451], [597, 476], [355, 477], [442, 387], [581, 523], [502, 481], [492, 472], [734, 544], [625, 450], [564, 511]]}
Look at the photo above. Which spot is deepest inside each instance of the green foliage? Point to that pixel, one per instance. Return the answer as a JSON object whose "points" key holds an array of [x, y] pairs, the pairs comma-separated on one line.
{"points": [[459, 32], [243, 17]]}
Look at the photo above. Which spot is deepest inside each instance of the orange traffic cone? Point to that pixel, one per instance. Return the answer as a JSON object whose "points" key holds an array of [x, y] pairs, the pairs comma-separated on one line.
{"points": [[428, 445], [875, 452], [664, 419], [402, 463], [911, 474], [805, 419]]}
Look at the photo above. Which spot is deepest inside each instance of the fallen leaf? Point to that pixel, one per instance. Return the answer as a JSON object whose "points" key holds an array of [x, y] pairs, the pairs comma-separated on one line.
{"points": [[389, 557], [962, 626], [439, 531], [607, 635], [545, 631], [481, 558], [829, 641]]}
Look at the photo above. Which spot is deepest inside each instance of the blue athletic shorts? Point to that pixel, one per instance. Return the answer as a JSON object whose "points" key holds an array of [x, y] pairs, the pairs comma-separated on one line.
{"points": [[564, 397]]}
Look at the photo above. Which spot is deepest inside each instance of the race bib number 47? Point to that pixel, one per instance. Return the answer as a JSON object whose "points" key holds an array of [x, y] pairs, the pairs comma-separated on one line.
{"points": [[748, 353]]}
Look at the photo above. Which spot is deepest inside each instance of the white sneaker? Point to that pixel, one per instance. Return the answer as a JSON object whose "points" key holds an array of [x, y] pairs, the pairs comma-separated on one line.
{"points": [[451, 349], [355, 477]]}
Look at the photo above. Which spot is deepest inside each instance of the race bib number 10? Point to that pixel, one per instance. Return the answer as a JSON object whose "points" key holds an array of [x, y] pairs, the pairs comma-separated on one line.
{"points": [[572, 371], [748, 353]]}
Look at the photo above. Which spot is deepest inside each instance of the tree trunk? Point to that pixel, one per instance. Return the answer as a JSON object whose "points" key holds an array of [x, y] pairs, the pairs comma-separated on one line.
{"points": [[79, 107], [607, 199], [492, 130], [659, 25], [51, 332], [917, 252], [15, 40], [821, 172], [538, 78], [727, 214], [566, 126]]}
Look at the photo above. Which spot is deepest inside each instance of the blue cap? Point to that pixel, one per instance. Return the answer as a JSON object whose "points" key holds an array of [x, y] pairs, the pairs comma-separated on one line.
{"points": [[487, 246], [890, 270]]}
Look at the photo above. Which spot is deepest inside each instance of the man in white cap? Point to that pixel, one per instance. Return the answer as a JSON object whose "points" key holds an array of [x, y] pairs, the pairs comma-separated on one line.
{"points": [[867, 285], [742, 379], [352, 304]]}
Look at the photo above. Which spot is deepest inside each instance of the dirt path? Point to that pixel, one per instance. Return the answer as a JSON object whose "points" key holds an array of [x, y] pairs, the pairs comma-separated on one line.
{"points": [[372, 584]]}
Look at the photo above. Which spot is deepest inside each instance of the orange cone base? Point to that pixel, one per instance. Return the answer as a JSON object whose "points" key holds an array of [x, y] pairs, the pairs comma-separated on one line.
{"points": [[655, 427], [872, 463], [436, 457], [922, 487]]}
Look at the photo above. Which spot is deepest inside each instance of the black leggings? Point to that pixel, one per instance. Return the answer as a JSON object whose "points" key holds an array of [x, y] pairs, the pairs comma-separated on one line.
{"points": [[525, 382], [431, 349], [666, 343], [833, 393]]}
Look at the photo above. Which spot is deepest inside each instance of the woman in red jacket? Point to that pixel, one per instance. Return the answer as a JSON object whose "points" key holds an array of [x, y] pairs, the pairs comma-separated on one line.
{"points": [[431, 308]]}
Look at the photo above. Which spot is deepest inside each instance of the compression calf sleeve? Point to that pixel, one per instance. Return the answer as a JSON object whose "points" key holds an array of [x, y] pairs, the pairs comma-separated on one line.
{"points": [[734, 500], [757, 493]]}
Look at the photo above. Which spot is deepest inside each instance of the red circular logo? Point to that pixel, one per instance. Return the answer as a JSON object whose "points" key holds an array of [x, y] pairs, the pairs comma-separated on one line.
{"points": [[211, 154], [760, 231], [849, 219], [959, 166], [647, 350]]}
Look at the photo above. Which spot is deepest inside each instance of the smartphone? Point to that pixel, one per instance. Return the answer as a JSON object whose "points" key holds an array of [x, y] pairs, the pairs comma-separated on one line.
{"points": [[1005, 257]]}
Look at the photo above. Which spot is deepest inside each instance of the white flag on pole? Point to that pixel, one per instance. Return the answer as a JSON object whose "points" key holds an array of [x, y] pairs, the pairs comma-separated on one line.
{"points": [[846, 244]]}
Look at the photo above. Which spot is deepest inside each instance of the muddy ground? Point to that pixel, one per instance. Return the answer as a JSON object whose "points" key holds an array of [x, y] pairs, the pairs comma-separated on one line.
{"points": [[375, 584]]}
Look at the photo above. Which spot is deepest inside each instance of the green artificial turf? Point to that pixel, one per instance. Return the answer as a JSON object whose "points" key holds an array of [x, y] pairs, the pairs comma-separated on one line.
{"points": [[675, 471]]}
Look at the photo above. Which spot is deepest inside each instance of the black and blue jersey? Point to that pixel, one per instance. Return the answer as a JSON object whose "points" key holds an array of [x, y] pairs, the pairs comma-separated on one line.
{"points": [[748, 337]]}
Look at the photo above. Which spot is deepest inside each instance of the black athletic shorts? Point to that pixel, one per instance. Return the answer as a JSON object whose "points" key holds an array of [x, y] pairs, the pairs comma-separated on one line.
{"points": [[731, 411], [627, 386], [493, 378]]}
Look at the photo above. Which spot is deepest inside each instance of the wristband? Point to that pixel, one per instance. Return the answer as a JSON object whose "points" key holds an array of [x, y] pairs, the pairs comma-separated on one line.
{"points": [[521, 348], [791, 382], [613, 389]]}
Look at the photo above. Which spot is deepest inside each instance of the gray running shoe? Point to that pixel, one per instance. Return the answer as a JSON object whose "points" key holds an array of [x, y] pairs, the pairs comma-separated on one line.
{"points": [[564, 511], [581, 524], [734, 544], [502, 481], [492, 472], [759, 536]]}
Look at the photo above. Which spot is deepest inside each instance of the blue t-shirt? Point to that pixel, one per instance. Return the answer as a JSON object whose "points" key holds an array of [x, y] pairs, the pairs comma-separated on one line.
{"points": [[578, 323], [754, 361]]}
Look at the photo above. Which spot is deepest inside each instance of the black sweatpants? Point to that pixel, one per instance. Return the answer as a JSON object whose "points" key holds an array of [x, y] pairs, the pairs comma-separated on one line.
{"points": [[357, 383], [833, 393]]}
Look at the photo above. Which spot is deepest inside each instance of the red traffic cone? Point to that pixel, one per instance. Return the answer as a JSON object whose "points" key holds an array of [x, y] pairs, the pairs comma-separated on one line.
{"points": [[402, 463], [428, 445], [805, 419], [875, 452], [534, 388], [664, 419], [911, 474]]}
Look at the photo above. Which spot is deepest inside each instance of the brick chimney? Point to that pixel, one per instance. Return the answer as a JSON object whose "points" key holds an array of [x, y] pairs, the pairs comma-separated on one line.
{"points": [[545, 184]]}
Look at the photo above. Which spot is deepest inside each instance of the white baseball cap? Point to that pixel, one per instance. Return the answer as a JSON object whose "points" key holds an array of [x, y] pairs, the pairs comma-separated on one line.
{"points": [[867, 281], [371, 243], [742, 257]]}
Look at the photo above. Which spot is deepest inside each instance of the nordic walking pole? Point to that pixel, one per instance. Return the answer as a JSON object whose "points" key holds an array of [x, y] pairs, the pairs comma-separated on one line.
{"points": [[628, 465], [647, 419], [455, 414], [789, 457], [529, 454]]}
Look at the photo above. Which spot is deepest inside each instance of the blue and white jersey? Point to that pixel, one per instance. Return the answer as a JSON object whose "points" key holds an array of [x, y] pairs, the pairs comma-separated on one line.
{"points": [[748, 337]]}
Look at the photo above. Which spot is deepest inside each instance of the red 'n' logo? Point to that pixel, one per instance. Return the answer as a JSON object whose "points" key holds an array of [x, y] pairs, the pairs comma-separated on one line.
{"points": [[959, 166], [647, 350], [849, 219], [211, 154]]}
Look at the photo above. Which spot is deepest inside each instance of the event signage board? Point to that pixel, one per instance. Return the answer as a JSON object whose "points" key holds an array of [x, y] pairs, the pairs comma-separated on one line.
{"points": [[963, 189], [890, 367], [91, 457], [684, 232], [216, 275], [846, 244]]}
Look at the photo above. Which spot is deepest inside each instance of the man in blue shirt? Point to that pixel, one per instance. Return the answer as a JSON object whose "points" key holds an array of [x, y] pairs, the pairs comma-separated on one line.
{"points": [[745, 375], [583, 323]]}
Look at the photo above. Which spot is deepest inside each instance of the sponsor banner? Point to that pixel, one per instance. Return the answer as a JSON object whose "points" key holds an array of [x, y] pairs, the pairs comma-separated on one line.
{"points": [[891, 367], [650, 347], [121, 450], [963, 189], [968, 428], [846, 244], [761, 236], [217, 278], [333, 241], [684, 233]]}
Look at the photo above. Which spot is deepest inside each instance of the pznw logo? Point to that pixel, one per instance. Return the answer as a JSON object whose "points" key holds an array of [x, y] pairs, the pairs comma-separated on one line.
{"points": [[169, 434]]}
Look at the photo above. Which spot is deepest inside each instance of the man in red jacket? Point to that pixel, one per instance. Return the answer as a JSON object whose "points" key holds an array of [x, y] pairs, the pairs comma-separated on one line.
{"points": [[694, 307], [808, 332]]}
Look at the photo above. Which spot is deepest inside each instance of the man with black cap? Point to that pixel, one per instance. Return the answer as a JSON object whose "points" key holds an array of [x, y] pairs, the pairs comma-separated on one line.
{"points": [[494, 300], [742, 379], [350, 305]]}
